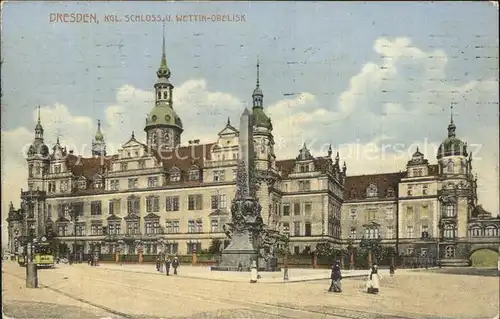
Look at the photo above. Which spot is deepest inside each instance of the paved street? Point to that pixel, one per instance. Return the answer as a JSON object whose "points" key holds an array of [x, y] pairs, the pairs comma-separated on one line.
{"points": [[80, 291]]}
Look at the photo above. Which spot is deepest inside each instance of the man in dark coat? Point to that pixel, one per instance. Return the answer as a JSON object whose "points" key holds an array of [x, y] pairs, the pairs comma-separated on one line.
{"points": [[175, 264], [167, 266], [336, 277]]}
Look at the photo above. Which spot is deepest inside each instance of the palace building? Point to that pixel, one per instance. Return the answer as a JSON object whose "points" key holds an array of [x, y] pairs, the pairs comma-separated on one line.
{"points": [[163, 194]]}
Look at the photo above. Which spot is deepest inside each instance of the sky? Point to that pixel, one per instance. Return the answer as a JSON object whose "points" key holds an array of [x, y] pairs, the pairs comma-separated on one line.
{"points": [[375, 80]]}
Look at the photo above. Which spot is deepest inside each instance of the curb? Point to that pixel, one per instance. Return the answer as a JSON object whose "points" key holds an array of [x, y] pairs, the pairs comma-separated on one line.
{"points": [[226, 280]]}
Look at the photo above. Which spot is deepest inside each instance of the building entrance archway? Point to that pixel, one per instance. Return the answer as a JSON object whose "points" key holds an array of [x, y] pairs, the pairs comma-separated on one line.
{"points": [[484, 257]]}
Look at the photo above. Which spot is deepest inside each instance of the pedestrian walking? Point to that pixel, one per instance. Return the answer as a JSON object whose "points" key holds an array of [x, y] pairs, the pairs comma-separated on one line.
{"points": [[161, 262], [391, 270], [168, 262], [158, 263], [89, 261], [373, 282], [253, 272], [175, 264], [336, 277]]}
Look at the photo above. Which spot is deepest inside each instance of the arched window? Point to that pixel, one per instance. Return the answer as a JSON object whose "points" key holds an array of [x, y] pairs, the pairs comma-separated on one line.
{"points": [[491, 231], [449, 252], [30, 170], [449, 231], [159, 95], [449, 210], [165, 95], [449, 167], [475, 232]]}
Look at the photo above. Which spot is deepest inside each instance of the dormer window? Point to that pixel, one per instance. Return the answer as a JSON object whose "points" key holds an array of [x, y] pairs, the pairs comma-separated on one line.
{"points": [[175, 174], [417, 172], [304, 168], [371, 191], [194, 174], [57, 169], [390, 192], [353, 193]]}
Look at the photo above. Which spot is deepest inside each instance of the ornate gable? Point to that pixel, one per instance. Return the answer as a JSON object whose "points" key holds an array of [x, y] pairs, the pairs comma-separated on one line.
{"points": [[151, 216]]}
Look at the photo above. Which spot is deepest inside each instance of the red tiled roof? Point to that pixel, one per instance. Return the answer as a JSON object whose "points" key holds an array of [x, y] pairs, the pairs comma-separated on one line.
{"points": [[183, 158]]}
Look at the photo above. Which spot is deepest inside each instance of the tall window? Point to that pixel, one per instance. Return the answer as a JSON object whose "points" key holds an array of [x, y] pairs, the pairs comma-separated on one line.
{"points": [[133, 228], [80, 229], [133, 205], [371, 233], [286, 209], [424, 231], [450, 231], [214, 225], [409, 231], [152, 204], [96, 229], [235, 172], [475, 232], [449, 210], [296, 228], [195, 202], [199, 226], [370, 214], [389, 232], [172, 204], [296, 209], [152, 227], [219, 201], [191, 226], [172, 248], [114, 206], [123, 166], [172, 226], [307, 208], [192, 247], [95, 208], [352, 233], [308, 229], [491, 231]]}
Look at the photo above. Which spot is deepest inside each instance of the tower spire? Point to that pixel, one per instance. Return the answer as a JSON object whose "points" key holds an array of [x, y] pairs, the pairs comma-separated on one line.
{"points": [[258, 75], [163, 70], [451, 127], [38, 113]]}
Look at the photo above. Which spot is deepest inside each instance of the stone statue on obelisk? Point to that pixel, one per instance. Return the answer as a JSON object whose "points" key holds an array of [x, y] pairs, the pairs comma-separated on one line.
{"points": [[246, 222]]}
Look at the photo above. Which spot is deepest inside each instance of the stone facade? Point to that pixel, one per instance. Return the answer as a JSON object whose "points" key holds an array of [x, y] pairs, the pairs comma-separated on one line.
{"points": [[166, 195]]}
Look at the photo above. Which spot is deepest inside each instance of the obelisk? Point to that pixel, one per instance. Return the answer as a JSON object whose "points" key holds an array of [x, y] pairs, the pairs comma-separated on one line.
{"points": [[245, 209]]}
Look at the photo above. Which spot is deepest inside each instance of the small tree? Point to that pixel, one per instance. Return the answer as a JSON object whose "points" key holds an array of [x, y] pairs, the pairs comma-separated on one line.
{"points": [[215, 246]]}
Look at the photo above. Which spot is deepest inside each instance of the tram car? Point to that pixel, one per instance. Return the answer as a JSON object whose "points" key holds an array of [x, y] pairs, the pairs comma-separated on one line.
{"points": [[21, 256]]}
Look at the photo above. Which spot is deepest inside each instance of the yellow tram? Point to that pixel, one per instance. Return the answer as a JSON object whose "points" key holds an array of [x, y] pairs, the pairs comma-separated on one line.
{"points": [[43, 256]]}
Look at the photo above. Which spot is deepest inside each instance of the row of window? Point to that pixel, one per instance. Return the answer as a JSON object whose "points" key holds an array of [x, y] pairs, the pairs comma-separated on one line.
{"points": [[172, 204], [489, 231], [371, 214], [150, 227], [297, 229], [298, 208]]}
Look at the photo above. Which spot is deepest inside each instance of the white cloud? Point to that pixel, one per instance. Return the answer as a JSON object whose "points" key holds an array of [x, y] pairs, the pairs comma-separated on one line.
{"points": [[391, 104]]}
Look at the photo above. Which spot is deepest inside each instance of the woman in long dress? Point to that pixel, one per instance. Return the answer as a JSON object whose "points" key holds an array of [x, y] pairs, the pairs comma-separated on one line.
{"points": [[336, 277], [253, 272], [373, 283]]}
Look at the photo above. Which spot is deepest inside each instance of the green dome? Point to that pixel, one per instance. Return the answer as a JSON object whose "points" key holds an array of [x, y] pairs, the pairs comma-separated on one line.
{"points": [[452, 146], [260, 118], [99, 136], [163, 115]]}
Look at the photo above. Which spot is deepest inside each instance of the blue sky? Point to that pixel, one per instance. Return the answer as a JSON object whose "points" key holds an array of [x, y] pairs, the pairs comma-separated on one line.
{"points": [[366, 73]]}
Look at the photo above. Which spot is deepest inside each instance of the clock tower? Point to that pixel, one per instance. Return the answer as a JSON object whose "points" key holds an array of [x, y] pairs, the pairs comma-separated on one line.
{"points": [[163, 125]]}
